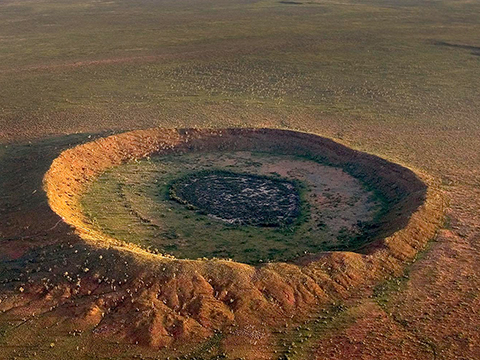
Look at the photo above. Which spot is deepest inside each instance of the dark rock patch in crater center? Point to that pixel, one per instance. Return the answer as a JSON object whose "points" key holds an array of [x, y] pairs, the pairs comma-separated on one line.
{"points": [[243, 199]]}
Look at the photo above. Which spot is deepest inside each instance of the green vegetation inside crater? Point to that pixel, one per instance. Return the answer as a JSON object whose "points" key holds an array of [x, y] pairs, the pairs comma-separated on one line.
{"points": [[132, 203]]}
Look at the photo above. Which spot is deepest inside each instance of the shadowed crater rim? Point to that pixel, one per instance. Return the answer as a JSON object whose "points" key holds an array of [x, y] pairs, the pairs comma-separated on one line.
{"points": [[401, 229]]}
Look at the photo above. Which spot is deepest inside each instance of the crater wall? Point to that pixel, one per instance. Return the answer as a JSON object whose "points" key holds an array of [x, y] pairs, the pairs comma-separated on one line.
{"points": [[188, 300]]}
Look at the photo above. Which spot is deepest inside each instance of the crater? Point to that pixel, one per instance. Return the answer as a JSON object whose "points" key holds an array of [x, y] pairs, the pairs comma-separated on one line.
{"points": [[251, 195], [360, 219], [248, 206]]}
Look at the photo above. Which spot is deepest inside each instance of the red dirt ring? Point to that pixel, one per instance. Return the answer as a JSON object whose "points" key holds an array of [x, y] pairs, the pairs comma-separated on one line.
{"points": [[226, 292]]}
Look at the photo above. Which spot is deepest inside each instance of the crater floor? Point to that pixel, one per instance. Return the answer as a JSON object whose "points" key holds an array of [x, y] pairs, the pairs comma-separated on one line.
{"points": [[249, 206]]}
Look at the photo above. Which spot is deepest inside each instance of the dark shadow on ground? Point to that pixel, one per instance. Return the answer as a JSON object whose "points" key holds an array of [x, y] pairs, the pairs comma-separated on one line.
{"points": [[475, 49], [26, 218]]}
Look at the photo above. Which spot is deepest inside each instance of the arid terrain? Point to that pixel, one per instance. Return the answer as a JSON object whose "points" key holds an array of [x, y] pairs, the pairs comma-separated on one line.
{"points": [[396, 79]]}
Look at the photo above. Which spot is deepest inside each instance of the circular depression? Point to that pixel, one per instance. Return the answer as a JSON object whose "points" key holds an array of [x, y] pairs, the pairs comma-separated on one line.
{"points": [[248, 206], [115, 191], [218, 293]]}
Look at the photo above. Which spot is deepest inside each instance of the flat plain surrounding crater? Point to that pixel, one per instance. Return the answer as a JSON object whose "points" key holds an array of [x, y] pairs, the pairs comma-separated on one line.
{"points": [[244, 205]]}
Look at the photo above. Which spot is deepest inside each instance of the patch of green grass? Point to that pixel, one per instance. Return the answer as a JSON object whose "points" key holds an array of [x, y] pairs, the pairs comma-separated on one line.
{"points": [[384, 291], [299, 342], [209, 350]]}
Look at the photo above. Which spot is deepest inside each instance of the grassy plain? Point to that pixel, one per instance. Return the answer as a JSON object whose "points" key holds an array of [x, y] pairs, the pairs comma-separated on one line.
{"points": [[395, 78]]}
